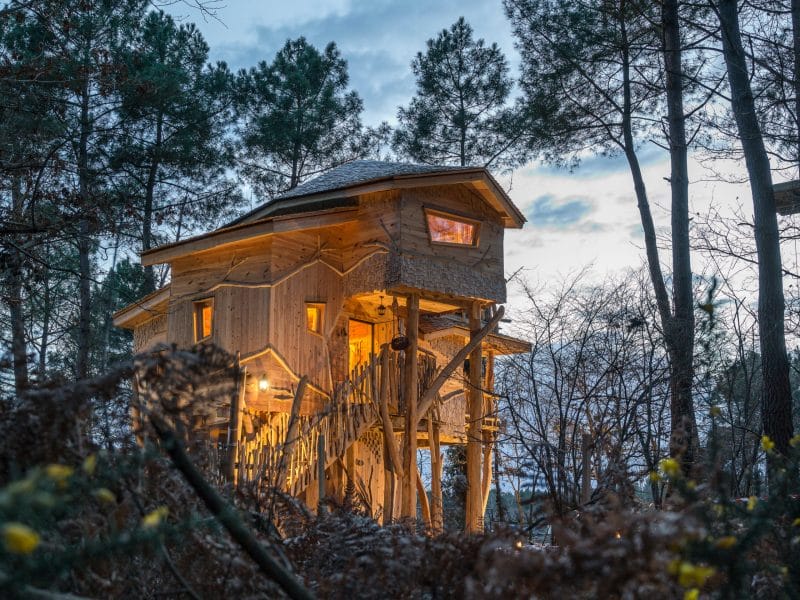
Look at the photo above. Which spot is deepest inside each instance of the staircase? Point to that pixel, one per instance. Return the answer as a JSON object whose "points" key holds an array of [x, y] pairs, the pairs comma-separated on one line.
{"points": [[353, 410]]}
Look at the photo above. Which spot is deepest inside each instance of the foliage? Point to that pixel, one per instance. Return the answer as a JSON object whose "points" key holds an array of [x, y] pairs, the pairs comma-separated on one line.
{"points": [[297, 118], [460, 114]]}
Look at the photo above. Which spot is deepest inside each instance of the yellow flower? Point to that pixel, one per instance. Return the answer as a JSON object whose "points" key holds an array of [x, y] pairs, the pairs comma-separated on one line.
{"points": [[795, 441], [767, 444], [690, 575], [715, 411], [670, 467], [104, 495], [674, 566], [154, 518], [718, 509], [751, 502], [59, 473], [19, 538], [726, 542], [90, 464], [796, 522], [692, 594], [691, 485], [654, 476]]}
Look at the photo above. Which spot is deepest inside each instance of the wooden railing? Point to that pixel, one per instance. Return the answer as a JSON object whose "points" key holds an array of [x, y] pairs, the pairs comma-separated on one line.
{"points": [[354, 408]]}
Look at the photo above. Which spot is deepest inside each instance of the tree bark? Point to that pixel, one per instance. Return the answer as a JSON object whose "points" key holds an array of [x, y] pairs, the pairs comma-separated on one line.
{"points": [[19, 348], [84, 241], [776, 399], [680, 333]]}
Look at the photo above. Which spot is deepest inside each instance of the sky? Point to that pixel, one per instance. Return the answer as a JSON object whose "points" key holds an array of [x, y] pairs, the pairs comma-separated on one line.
{"points": [[575, 219]]}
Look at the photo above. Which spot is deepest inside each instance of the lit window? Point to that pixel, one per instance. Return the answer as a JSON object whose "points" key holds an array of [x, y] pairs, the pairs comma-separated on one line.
{"points": [[450, 229], [203, 319], [314, 314]]}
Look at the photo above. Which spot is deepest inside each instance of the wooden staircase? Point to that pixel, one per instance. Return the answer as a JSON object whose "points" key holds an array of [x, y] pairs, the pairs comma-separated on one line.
{"points": [[353, 410]]}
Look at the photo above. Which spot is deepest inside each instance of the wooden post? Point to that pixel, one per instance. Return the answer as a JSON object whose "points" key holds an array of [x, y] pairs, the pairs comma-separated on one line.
{"points": [[437, 508], [292, 433], [409, 504], [321, 460], [488, 437], [425, 507], [235, 424], [388, 486], [386, 421], [474, 429]]}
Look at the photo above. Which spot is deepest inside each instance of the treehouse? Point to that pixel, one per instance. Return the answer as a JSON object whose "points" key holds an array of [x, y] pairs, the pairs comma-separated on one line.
{"points": [[363, 308]]}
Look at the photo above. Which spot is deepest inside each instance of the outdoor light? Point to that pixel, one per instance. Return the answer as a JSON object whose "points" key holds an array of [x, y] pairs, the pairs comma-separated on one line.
{"points": [[263, 383], [381, 308]]}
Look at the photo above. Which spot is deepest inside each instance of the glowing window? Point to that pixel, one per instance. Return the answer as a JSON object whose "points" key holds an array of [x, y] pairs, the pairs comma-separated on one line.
{"points": [[203, 319], [315, 312], [444, 228]]}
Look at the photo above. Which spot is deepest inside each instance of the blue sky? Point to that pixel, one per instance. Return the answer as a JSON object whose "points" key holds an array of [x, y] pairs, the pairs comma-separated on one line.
{"points": [[585, 217]]}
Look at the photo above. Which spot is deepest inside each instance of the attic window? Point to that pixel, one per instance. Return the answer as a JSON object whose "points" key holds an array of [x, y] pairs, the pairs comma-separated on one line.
{"points": [[315, 312], [203, 319], [445, 228]]}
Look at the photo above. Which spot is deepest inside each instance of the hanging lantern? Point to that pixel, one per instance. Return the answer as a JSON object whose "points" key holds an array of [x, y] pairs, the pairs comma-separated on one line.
{"points": [[381, 308], [263, 383]]}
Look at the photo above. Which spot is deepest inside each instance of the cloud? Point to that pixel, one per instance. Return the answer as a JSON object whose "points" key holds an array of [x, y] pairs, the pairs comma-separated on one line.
{"points": [[378, 39], [547, 212]]}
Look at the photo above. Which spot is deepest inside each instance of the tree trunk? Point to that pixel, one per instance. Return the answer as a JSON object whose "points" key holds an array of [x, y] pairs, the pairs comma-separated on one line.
{"points": [[147, 216], [19, 349], [776, 399], [680, 343], [796, 47], [680, 334], [84, 241]]}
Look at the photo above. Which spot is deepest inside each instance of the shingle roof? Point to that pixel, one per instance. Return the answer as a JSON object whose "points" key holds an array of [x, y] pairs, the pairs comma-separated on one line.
{"points": [[359, 171]]}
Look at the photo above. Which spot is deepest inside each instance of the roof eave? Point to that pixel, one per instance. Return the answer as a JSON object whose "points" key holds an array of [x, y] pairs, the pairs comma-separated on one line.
{"points": [[512, 217], [144, 309]]}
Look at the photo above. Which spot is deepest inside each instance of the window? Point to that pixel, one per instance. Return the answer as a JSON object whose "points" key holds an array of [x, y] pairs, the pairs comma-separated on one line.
{"points": [[444, 228], [315, 312], [203, 319]]}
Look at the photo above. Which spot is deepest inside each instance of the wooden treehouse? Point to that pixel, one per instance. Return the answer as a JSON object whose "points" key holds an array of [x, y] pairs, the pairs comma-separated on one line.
{"points": [[363, 308]]}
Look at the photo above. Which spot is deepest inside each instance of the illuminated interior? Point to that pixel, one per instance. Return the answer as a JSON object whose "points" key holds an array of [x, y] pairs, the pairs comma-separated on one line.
{"points": [[203, 319], [449, 229], [314, 314], [361, 343]]}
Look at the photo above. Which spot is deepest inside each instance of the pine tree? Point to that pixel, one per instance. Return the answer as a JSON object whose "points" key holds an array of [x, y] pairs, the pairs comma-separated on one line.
{"points": [[459, 114], [298, 119]]}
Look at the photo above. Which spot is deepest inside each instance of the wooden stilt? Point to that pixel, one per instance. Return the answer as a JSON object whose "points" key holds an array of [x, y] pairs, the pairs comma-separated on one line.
{"points": [[409, 505], [474, 509], [437, 509], [425, 508], [386, 421], [388, 486], [321, 459]]}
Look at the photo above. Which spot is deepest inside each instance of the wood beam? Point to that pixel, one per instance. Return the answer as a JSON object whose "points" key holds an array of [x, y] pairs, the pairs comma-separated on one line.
{"points": [[410, 375], [475, 340], [474, 429], [292, 433], [437, 508]]}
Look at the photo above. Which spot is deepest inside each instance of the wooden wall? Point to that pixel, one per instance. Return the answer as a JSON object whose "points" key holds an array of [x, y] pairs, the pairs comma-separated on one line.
{"points": [[469, 272]]}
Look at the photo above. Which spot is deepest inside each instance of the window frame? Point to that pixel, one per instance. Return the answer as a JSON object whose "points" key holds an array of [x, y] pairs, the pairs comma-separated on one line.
{"points": [[320, 306], [197, 314], [452, 216]]}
